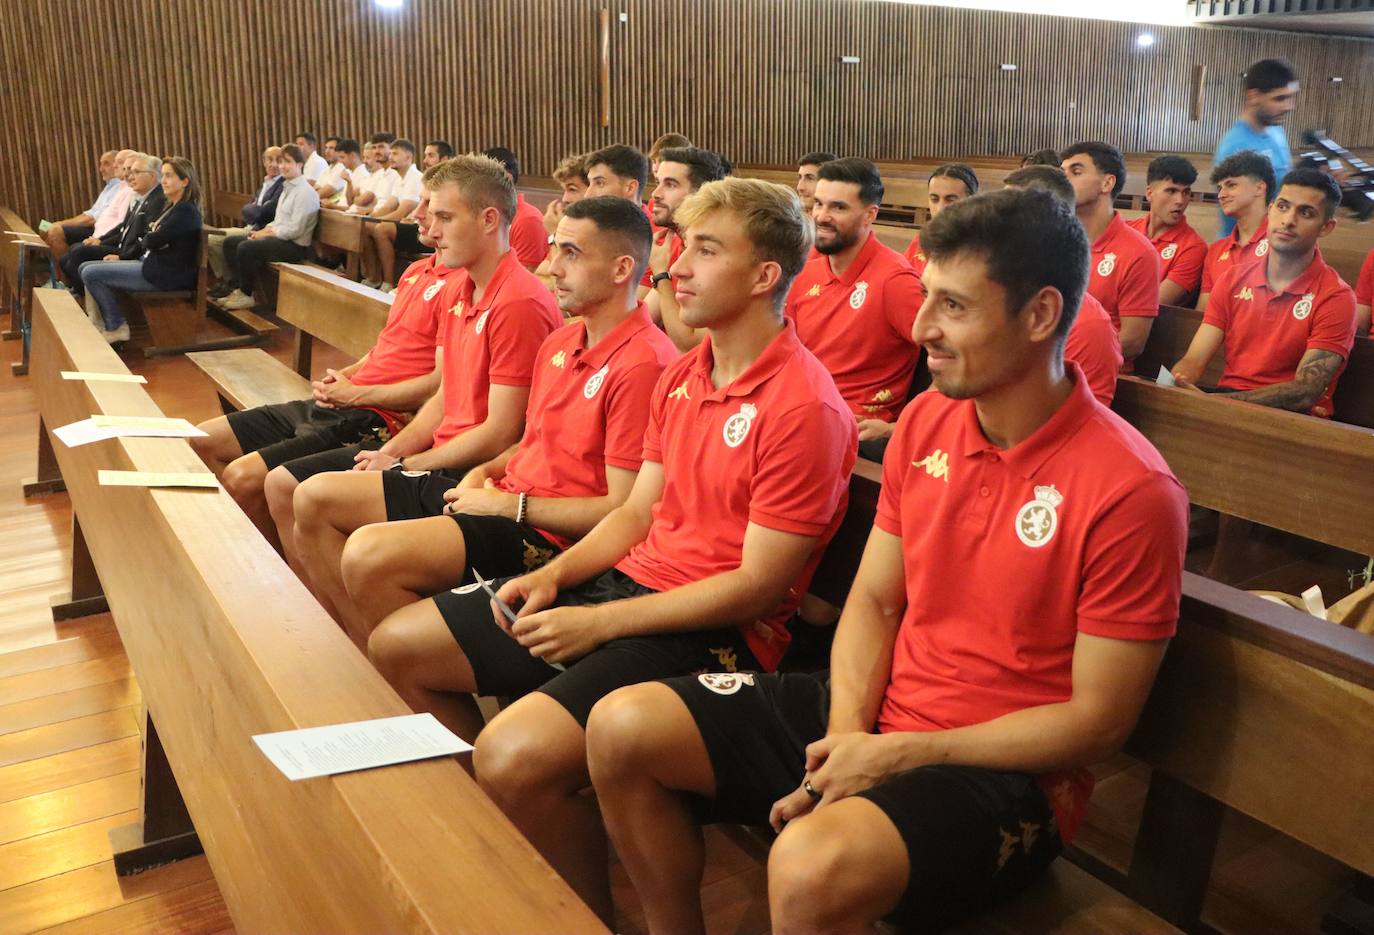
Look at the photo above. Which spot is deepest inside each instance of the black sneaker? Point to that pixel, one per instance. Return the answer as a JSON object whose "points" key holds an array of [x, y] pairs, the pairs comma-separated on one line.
{"points": [[221, 290]]}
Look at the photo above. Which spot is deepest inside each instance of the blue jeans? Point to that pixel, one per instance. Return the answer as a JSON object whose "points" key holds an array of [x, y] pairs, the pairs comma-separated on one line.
{"points": [[103, 277]]}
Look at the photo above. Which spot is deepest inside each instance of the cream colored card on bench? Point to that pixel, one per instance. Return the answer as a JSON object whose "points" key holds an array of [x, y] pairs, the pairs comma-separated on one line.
{"points": [[148, 426], [157, 479]]}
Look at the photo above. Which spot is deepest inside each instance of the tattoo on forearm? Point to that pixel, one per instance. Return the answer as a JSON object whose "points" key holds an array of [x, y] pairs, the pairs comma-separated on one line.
{"points": [[1303, 391]]}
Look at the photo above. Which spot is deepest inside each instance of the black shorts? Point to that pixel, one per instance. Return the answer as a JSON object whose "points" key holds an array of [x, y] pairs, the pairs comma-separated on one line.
{"points": [[336, 459], [286, 431], [408, 240], [75, 233], [973, 836], [504, 667], [501, 548], [416, 494]]}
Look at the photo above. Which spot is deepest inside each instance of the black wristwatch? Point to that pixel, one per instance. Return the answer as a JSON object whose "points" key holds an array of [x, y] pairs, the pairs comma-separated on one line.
{"points": [[657, 278]]}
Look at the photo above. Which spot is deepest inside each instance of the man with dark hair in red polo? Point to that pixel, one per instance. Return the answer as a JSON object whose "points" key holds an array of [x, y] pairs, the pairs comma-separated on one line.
{"points": [[583, 444], [1093, 342], [807, 167], [949, 183], [528, 239], [1286, 322], [854, 301], [680, 172], [1245, 187], [1124, 275], [500, 317], [1014, 601], [369, 400], [745, 476], [1169, 189], [1364, 294]]}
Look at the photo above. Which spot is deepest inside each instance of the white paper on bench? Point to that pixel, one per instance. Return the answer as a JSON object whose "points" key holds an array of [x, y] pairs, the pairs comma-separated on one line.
{"points": [[104, 377], [82, 433], [147, 427], [343, 748], [1165, 378]]}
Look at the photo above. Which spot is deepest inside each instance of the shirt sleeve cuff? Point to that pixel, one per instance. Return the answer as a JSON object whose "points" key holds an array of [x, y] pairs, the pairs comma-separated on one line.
{"points": [[888, 524], [788, 523], [510, 379], [1151, 312], [1332, 346], [628, 464], [1125, 630]]}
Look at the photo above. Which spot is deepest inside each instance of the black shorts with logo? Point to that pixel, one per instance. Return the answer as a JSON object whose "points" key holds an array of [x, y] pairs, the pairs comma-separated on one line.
{"points": [[973, 836], [416, 494], [284, 432], [504, 667]]}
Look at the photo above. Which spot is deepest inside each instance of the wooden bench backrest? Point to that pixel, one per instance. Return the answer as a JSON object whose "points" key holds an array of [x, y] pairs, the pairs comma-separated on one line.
{"points": [[1173, 331], [226, 643], [1289, 471], [1264, 709], [340, 230], [341, 313], [9, 251], [228, 207]]}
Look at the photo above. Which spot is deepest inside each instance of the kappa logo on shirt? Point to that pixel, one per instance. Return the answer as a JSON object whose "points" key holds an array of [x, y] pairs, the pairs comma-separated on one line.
{"points": [[411, 279], [559, 360], [1225, 256], [936, 464], [857, 297], [1168, 252], [680, 392], [814, 290], [1107, 265], [431, 290], [736, 427], [1246, 294], [1037, 520], [1303, 308], [457, 308], [882, 396]]}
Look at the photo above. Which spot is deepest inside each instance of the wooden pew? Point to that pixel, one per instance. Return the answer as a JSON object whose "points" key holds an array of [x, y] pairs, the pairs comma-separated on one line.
{"points": [[228, 207], [1253, 709], [1173, 331], [20, 254], [321, 305], [226, 644]]}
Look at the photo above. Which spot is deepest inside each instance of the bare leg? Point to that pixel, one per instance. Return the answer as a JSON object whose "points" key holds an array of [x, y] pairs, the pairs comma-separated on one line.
{"points": [[280, 489], [532, 761], [367, 259], [328, 507], [244, 478], [384, 243], [644, 751], [57, 247], [414, 650], [839, 869], [219, 447], [387, 566]]}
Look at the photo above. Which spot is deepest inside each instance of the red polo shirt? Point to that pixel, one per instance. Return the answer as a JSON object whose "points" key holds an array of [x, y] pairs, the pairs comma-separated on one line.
{"points": [[405, 347], [1095, 345], [588, 409], [492, 340], [1364, 286], [1181, 252], [1228, 252], [1125, 273], [1080, 528], [529, 241], [1267, 332], [859, 325], [915, 256], [773, 447]]}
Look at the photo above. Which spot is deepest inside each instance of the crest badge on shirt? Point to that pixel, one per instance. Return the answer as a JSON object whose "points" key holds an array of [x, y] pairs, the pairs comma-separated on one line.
{"points": [[1038, 519], [1303, 307], [1168, 252], [482, 322], [737, 426], [594, 382], [432, 290], [1262, 247], [856, 298], [1107, 265]]}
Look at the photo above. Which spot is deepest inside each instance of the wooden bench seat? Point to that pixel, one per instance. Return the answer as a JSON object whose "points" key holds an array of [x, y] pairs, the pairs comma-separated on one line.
{"points": [[1068, 901], [226, 643], [250, 377], [22, 255]]}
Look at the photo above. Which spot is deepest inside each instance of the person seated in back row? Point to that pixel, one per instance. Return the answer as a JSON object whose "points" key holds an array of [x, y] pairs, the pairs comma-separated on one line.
{"points": [[948, 184], [1286, 321], [1169, 190], [168, 255], [285, 240], [389, 238], [142, 174], [256, 215], [370, 399], [1245, 186], [70, 231], [1011, 609]]}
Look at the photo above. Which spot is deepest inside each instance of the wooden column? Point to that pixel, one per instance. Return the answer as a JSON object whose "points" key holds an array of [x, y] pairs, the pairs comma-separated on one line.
{"points": [[87, 596], [1172, 860], [164, 832]]}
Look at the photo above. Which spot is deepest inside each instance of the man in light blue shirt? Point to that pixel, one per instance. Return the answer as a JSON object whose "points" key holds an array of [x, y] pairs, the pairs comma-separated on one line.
{"points": [[1271, 93], [62, 234]]}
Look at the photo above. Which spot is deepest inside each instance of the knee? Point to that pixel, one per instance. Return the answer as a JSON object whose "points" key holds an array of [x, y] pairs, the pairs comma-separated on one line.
{"points": [[244, 477], [624, 732], [368, 557], [280, 489], [390, 652], [804, 866], [310, 499], [513, 764]]}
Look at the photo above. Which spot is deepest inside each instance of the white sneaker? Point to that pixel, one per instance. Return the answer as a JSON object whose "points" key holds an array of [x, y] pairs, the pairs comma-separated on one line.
{"points": [[93, 313], [237, 300], [386, 287], [116, 336], [372, 284]]}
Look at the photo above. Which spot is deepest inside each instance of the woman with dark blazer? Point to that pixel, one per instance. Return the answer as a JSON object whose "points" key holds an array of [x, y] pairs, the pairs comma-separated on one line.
{"points": [[167, 253]]}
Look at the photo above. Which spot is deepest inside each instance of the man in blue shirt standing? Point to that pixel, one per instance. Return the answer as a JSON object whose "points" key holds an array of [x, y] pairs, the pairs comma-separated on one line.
{"points": [[1271, 93]]}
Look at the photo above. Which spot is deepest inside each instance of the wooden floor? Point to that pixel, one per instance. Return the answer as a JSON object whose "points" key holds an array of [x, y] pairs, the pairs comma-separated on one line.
{"points": [[69, 743]]}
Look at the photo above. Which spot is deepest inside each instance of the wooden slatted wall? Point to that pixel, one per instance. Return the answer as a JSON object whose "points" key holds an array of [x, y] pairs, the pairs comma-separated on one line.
{"points": [[216, 80]]}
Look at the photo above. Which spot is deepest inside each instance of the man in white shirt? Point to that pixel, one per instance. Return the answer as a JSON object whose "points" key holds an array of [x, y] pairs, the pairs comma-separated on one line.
{"points": [[379, 247], [284, 240], [330, 186], [314, 162], [75, 229], [382, 180]]}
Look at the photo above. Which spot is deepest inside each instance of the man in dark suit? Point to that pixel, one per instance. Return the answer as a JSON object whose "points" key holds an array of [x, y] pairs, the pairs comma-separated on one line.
{"points": [[126, 239]]}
